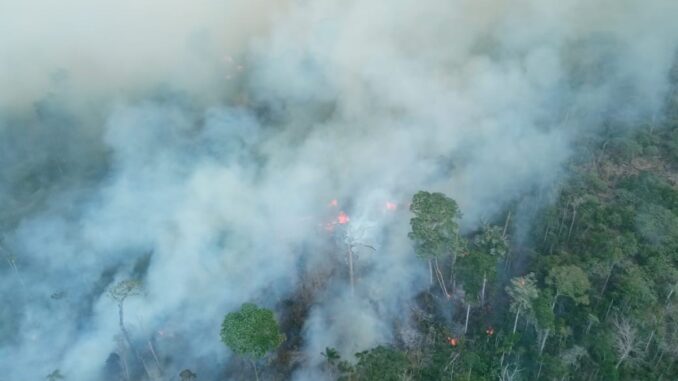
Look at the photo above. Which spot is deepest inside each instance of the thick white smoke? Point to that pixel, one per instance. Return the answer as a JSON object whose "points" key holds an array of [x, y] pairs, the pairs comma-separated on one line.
{"points": [[197, 145]]}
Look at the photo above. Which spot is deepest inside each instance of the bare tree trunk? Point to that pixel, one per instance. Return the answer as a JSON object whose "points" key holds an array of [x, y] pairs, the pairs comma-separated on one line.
{"points": [[125, 367], [609, 273], [608, 309], [441, 280], [649, 341], [350, 269], [430, 268], [562, 222], [668, 297], [506, 224], [256, 374], [155, 356], [128, 340], [574, 215], [482, 293], [555, 299], [543, 341], [468, 310], [515, 322]]}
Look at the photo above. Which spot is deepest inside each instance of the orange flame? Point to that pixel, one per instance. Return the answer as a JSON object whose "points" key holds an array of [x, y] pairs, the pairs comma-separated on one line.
{"points": [[391, 205], [334, 203], [453, 341], [343, 218]]}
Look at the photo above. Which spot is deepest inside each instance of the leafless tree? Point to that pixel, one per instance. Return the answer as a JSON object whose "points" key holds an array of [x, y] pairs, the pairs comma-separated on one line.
{"points": [[356, 238], [119, 293], [626, 341]]}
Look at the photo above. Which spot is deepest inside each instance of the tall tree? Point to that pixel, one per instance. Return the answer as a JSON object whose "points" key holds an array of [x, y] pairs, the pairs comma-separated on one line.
{"points": [[571, 281], [119, 293], [251, 332], [523, 291], [626, 341], [478, 266], [435, 230]]}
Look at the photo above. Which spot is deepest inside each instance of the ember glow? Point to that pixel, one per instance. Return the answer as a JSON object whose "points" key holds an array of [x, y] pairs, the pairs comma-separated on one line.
{"points": [[343, 218], [391, 206], [334, 203]]}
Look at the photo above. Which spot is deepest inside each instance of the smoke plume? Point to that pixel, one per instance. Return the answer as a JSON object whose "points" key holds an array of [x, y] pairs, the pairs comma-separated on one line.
{"points": [[198, 147]]}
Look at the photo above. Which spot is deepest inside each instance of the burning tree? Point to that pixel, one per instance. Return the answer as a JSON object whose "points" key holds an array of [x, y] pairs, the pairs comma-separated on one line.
{"points": [[435, 231]]}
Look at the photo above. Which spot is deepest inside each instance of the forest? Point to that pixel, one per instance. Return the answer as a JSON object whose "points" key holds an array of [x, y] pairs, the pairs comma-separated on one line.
{"points": [[588, 295], [338, 190]]}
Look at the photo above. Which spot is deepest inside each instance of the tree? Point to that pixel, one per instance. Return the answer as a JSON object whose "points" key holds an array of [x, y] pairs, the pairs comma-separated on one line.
{"points": [[435, 230], [55, 375], [626, 340], [523, 291], [381, 364], [251, 332], [571, 281], [355, 238], [478, 266], [187, 375], [119, 293], [544, 319]]}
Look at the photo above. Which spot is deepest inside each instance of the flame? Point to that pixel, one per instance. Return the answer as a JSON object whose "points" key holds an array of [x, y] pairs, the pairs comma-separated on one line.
{"points": [[489, 331], [391, 205], [453, 341], [343, 218], [334, 203]]}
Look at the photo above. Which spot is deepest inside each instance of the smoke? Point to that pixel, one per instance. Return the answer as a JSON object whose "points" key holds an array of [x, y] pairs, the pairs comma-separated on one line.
{"points": [[197, 146]]}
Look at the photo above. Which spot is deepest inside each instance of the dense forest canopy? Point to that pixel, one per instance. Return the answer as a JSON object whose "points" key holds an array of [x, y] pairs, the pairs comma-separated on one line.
{"points": [[338, 190]]}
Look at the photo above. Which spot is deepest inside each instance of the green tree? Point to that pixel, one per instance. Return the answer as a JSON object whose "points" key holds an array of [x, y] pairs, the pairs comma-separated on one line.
{"points": [[478, 266], [251, 332], [523, 290], [571, 281], [381, 364], [435, 230]]}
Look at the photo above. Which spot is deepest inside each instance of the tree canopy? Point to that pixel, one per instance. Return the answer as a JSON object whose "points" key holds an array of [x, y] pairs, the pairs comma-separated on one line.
{"points": [[251, 331]]}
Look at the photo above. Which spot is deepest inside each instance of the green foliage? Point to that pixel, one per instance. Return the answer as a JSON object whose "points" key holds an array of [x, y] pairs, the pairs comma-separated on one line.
{"points": [[478, 266], [491, 241], [251, 331], [381, 364], [523, 291], [331, 355], [435, 230], [124, 289], [571, 281]]}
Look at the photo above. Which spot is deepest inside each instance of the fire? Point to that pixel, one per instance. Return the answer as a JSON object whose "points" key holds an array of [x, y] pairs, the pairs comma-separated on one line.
{"points": [[391, 205], [489, 331], [343, 218], [453, 341], [334, 203]]}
